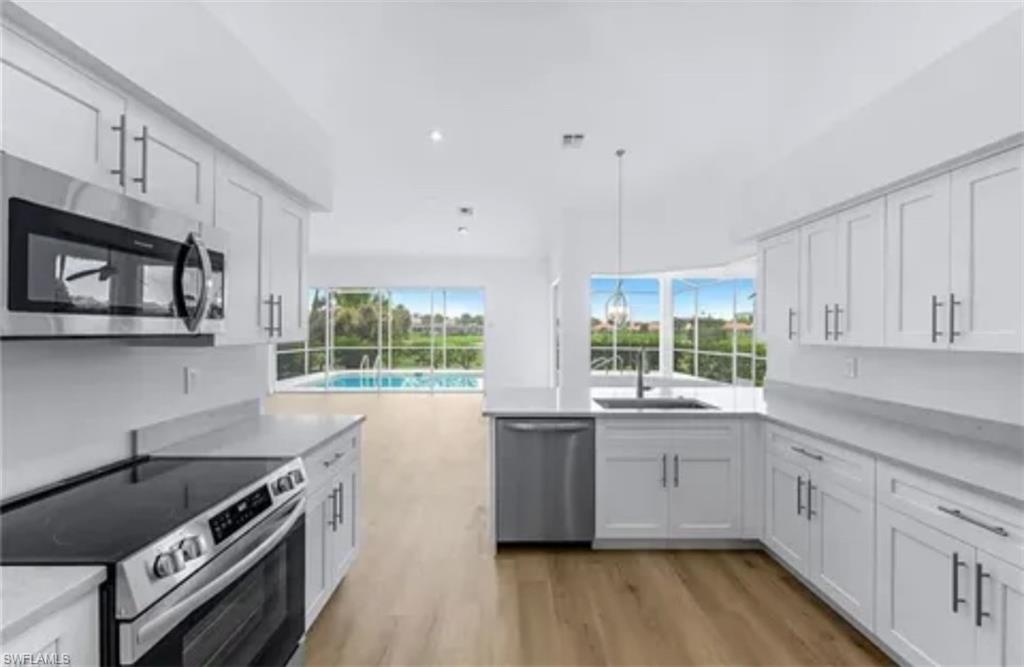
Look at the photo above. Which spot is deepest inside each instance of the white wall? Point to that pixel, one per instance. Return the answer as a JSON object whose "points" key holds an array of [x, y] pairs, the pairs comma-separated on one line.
{"points": [[516, 302], [971, 97], [185, 58], [69, 406]]}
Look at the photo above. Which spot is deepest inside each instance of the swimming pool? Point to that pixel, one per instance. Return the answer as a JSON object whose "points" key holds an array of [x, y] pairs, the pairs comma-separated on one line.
{"points": [[397, 381]]}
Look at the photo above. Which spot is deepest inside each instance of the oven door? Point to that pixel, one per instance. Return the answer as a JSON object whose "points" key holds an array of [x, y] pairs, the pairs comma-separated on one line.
{"points": [[246, 607]]}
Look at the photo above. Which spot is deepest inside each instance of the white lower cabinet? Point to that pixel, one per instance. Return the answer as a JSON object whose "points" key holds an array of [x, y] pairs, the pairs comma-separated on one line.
{"points": [[786, 531], [669, 481], [1001, 630], [73, 631], [332, 519]]}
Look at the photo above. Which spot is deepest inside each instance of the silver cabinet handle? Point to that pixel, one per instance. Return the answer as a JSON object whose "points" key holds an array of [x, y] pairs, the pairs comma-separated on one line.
{"points": [[341, 502], [280, 316], [998, 530], [801, 450], [810, 499], [538, 427], [789, 324], [122, 131], [676, 457], [979, 576], [664, 470], [828, 311], [935, 318], [835, 324], [334, 510], [957, 564], [143, 178], [799, 494], [269, 302], [953, 303]]}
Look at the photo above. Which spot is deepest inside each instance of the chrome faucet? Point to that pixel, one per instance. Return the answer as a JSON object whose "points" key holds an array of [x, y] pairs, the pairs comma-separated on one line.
{"points": [[640, 373]]}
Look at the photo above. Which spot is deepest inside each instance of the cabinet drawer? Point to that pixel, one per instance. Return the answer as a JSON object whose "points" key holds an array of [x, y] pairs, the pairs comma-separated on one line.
{"points": [[827, 462], [663, 433], [988, 523], [326, 460]]}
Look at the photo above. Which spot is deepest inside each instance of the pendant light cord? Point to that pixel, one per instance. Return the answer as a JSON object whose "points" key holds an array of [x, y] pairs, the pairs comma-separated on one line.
{"points": [[619, 153]]}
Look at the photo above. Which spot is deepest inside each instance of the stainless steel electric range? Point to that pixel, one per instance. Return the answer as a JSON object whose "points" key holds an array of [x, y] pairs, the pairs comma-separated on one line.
{"points": [[205, 557]]}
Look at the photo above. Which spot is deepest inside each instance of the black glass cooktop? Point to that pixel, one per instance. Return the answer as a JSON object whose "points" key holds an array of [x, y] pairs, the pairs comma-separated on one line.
{"points": [[106, 518]]}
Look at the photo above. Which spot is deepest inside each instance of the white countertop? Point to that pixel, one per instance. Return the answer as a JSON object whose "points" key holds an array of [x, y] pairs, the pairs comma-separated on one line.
{"points": [[30, 593], [525, 402], [265, 435]]}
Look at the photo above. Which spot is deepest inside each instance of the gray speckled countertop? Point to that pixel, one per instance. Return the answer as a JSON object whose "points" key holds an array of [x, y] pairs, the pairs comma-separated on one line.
{"points": [[30, 593], [265, 435]]}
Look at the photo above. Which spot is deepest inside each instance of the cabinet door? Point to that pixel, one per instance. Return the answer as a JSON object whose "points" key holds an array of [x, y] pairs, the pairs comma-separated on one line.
{"points": [[72, 631], [921, 572], [861, 285], [987, 246], [56, 116], [1001, 632], [632, 493], [320, 532], [917, 264], [843, 549], [241, 209], [286, 254], [778, 271], [787, 530], [345, 538], [168, 167], [819, 272], [704, 490]]}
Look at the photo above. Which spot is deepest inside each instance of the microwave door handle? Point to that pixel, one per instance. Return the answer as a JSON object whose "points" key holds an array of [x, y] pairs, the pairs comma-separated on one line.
{"points": [[193, 318], [158, 627]]}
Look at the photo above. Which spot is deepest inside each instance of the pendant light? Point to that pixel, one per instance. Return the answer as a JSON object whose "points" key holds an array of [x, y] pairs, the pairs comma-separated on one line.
{"points": [[616, 309]]}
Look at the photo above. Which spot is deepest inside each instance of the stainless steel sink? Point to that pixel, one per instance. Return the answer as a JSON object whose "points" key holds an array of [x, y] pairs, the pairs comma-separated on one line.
{"points": [[653, 404]]}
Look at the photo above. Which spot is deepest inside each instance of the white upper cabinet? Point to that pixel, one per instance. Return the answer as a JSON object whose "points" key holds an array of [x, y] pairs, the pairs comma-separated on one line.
{"points": [[241, 210], [987, 281], [917, 266], [56, 116], [859, 311], [167, 166], [285, 251], [819, 273], [778, 291]]}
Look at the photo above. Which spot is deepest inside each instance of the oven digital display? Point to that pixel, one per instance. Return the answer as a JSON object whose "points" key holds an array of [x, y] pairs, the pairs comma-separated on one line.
{"points": [[224, 524]]}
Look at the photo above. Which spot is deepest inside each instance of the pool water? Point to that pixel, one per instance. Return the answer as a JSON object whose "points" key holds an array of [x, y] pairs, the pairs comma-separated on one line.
{"points": [[411, 381]]}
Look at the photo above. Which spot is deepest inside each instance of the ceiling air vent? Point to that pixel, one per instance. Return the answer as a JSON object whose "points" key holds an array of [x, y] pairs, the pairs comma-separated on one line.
{"points": [[572, 140]]}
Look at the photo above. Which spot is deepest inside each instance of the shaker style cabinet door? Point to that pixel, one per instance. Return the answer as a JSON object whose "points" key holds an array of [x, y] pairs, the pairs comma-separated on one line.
{"points": [[285, 252], [1000, 627], [987, 286], [704, 490], [787, 531], [320, 512], [925, 589], [778, 290], [819, 273], [860, 300], [917, 264], [632, 493], [167, 166], [241, 210], [55, 116]]}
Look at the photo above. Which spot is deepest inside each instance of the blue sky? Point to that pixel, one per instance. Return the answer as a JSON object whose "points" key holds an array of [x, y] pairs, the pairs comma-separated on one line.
{"points": [[716, 297], [459, 300]]}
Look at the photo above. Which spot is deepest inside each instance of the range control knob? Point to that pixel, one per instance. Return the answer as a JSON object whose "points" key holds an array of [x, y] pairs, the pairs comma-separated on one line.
{"points": [[168, 563], [193, 547], [283, 484], [296, 476]]}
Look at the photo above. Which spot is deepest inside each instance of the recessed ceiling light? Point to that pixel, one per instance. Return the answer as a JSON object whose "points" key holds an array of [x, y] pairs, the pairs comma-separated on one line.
{"points": [[436, 136], [463, 230]]}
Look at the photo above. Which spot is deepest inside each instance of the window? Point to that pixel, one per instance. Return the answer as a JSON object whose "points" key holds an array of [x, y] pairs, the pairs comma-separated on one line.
{"points": [[713, 333], [402, 339], [614, 349]]}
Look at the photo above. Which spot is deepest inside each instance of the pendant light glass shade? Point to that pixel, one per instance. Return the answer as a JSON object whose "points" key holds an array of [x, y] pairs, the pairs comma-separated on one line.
{"points": [[616, 309]]}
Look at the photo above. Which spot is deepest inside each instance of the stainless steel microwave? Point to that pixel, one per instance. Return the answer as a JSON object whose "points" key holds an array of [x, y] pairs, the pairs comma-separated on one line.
{"points": [[83, 261]]}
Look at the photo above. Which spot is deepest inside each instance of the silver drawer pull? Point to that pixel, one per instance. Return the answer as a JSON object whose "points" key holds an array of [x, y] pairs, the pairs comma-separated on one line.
{"points": [[998, 530], [801, 450], [563, 427]]}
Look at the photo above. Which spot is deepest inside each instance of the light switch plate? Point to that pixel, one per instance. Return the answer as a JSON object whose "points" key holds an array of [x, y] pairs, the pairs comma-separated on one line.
{"points": [[850, 367]]}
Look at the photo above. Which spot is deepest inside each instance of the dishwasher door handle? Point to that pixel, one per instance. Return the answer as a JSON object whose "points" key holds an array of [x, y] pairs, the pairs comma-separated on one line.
{"points": [[555, 427]]}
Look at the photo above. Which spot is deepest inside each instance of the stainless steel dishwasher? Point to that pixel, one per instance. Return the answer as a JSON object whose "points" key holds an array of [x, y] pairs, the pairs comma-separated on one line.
{"points": [[544, 472]]}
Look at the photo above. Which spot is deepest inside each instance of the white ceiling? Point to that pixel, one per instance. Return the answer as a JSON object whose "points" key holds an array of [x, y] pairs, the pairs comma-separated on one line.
{"points": [[702, 95]]}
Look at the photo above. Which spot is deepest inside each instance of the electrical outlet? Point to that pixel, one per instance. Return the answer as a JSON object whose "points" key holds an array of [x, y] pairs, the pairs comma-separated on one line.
{"points": [[850, 367], [191, 379]]}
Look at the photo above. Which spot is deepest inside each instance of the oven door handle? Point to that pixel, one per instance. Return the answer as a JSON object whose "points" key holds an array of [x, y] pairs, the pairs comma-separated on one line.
{"points": [[158, 627]]}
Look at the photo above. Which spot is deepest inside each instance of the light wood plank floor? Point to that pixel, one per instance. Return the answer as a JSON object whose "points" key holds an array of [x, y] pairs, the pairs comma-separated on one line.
{"points": [[425, 590]]}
